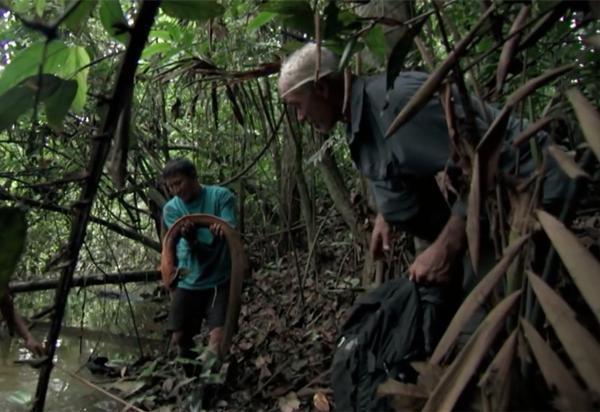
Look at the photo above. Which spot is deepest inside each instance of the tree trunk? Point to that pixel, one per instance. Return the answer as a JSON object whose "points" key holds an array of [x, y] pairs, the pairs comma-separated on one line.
{"points": [[306, 206], [341, 199]]}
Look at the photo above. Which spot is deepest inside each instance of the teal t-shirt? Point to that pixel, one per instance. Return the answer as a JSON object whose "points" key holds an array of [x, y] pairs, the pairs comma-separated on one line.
{"points": [[210, 264]]}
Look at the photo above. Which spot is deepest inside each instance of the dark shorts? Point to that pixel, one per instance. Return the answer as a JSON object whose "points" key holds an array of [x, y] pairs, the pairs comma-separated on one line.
{"points": [[190, 307]]}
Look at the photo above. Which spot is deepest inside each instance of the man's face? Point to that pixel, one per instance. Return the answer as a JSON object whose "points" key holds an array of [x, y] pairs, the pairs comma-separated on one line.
{"points": [[183, 186], [312, 104]]}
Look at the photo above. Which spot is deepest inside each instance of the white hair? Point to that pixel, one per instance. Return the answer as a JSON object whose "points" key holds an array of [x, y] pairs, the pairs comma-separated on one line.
{"points": [[299, 68]]}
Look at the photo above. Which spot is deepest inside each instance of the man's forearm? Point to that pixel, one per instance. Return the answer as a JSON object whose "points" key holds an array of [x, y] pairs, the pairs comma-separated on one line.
{"points": [[20, 327], [453, 236], [15, 322]]}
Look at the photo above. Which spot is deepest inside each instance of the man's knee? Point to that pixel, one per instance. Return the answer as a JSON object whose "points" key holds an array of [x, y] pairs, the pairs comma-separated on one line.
{"points": [[215, 339], [177, 338]]}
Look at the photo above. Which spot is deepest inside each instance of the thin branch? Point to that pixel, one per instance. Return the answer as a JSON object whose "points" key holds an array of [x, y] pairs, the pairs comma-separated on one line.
{"points": [[128, 406], [83, 207], [152, 244], [257, 158]]}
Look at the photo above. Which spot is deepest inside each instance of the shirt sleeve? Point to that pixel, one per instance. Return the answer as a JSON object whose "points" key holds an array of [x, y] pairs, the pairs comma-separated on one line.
{"points": [[227, 207], [394, 201], [422, 213], [170, 215]]}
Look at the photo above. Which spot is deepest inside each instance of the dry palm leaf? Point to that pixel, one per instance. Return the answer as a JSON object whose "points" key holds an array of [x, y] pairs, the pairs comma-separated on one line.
{"points": [[463, 368], [589, 119], [495, 382], [581, 264], [570, 397], [475, 299], [580, 345]]}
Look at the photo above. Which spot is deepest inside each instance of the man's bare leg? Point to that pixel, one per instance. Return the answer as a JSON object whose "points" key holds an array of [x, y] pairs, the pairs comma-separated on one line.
{"points": [[215, 339]]}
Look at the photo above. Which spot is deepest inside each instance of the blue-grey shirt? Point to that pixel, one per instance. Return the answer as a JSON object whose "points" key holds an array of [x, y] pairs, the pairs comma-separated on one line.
{"points": [[402, 168]]}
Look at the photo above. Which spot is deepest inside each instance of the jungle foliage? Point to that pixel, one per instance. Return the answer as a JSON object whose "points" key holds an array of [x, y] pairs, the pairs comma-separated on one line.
{"points": [[96, 95]]}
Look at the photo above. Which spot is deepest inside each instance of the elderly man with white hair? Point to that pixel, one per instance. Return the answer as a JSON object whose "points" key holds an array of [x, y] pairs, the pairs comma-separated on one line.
{"points": [[402, 168]]}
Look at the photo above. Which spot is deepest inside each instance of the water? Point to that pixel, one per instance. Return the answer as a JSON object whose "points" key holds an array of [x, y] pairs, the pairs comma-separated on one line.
{"points": [[18, 381]]}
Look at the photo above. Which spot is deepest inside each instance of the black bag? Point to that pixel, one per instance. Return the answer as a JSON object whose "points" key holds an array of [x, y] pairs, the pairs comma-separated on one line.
{"points": [[390, 327]]}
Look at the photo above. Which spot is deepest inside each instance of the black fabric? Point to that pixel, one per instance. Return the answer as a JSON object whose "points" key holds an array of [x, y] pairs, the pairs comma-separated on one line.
{"points": [[389, 327], [190, 307]]}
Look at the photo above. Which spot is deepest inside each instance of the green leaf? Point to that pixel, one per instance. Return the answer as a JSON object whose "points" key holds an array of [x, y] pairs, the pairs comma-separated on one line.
{"points": [[78, 58], [349, 51], [161, 34], [57, 105], [40, 5], [260, 20], [12, 242], [399, 52], [20, 6], [331, 21], [79, 16], [287, 7], [152, 49], [192, 10], [18, 100], [19, 397], [13, 104], [375, 40], [294, 14], [113, 20], [175, 31], [48, 83], [55, 62], [27, 62]]}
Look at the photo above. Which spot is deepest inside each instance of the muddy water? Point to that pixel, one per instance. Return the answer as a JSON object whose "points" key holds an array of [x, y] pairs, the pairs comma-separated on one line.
{"points": [[18, 381]]}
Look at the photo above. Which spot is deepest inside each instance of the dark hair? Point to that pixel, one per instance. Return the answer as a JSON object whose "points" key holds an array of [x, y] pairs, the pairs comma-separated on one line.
{"points": [[179, 166]]}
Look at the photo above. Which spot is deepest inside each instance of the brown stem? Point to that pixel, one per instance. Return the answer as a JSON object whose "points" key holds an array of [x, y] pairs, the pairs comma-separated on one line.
{"points": [[83, 207]]}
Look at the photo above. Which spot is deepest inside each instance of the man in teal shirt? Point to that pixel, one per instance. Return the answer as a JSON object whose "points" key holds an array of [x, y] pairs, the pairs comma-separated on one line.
{"points": [[203, 260]]}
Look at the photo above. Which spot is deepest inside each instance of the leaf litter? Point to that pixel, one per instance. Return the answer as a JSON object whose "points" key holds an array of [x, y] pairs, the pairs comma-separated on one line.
{"points": [[279, 358]]}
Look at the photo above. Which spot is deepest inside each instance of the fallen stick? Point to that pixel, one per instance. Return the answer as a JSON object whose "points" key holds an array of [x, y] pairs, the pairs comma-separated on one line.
{"points": [[89, 280], [126, 404]]}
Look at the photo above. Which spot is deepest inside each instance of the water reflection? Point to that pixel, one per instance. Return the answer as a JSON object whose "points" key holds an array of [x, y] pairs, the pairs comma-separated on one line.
{"points": [[18, 381]]}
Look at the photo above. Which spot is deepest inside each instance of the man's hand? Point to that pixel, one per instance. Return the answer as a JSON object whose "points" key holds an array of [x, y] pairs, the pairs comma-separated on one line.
{"points": [[34, 346], [188, 231], [216, 229], [433, 265], [380, 238]]}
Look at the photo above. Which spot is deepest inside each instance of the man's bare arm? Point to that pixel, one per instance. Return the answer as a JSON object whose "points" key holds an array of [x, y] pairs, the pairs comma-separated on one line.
{"points": [[433, 265], [17, 323]]}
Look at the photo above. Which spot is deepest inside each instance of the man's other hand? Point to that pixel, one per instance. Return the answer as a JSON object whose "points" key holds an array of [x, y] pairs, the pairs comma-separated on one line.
{"points": [[380, 238], [216, 229], [34, 346]]}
